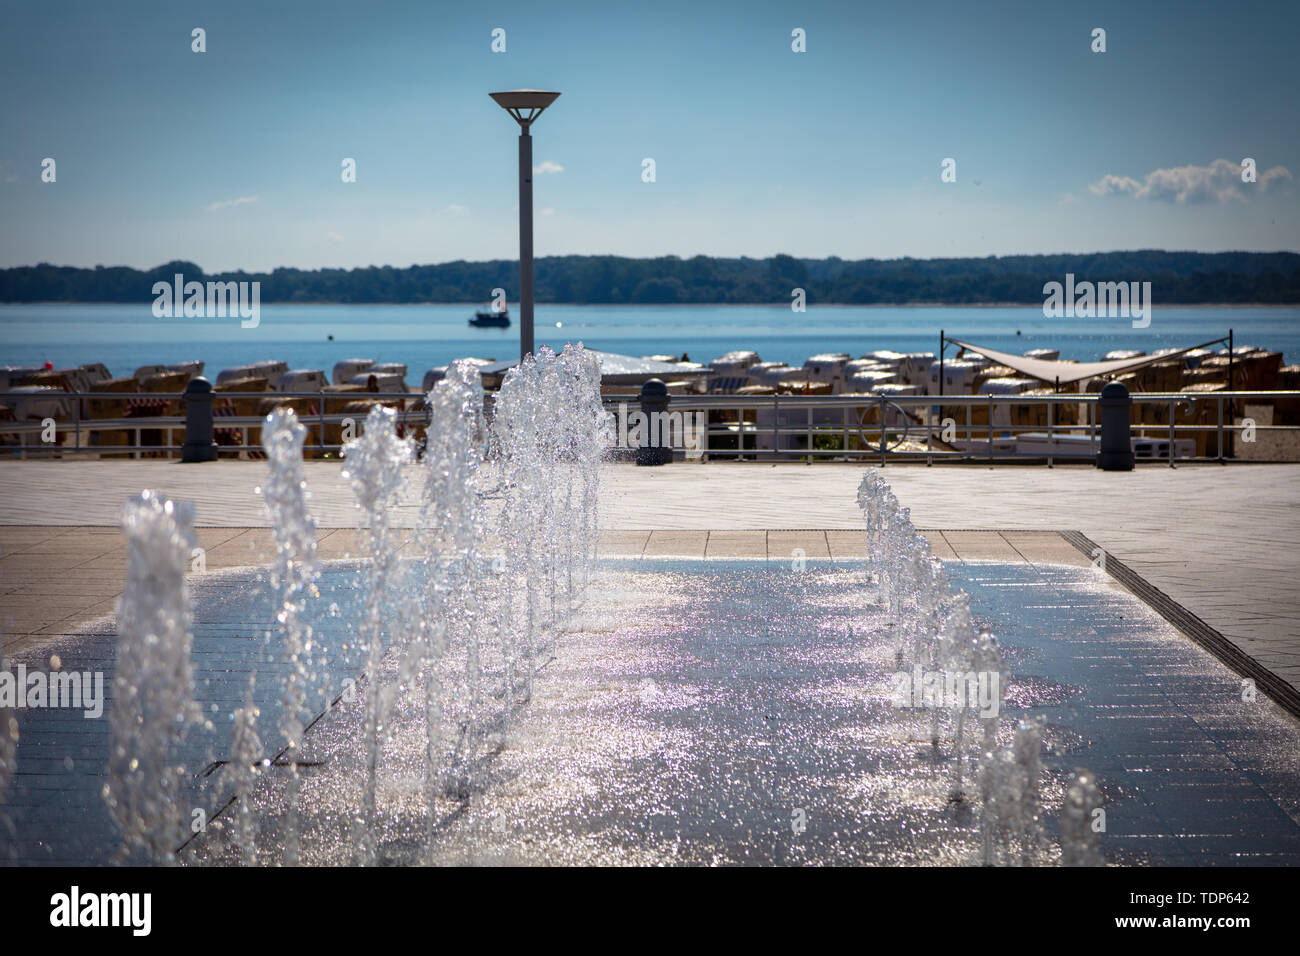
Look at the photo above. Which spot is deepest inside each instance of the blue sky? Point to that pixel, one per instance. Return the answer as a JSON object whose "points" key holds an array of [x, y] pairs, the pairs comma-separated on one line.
{"points": [[231, 158]]}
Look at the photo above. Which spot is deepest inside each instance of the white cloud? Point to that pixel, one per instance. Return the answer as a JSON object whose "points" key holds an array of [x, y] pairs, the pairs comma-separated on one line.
{"points": [[548, 211], [456, 209], [242, 200], [1218, 182], [547, 166], [334, 236]]}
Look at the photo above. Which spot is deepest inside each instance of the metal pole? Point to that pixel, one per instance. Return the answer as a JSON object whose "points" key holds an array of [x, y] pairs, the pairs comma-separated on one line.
{"points": [[1051, 424], [525, 242], [1173, 412], [929, 435], [941, 363], [882, 431], [1231, 360], [970, 431], [810, 435], [776, 429], [1219, 440], [990, 428]]}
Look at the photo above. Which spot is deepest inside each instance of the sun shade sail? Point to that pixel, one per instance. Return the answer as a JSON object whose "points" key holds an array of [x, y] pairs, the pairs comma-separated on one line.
{"points": [[1052, 371]]}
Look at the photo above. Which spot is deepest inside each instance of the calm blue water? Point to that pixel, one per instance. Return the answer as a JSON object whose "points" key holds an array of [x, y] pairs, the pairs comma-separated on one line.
{"points": [[124, 337]]}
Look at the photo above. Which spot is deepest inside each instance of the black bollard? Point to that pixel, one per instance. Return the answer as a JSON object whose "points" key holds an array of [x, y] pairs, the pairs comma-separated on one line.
{"points": [[199, 445], [1116, 452], [654, 405]]}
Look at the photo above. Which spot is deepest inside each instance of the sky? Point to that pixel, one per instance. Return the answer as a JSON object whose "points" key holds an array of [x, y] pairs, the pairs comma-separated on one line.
{"points": [[232, 158]]}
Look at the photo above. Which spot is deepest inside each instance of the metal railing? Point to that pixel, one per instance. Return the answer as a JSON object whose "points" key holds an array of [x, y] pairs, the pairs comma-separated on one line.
{"points": [[889, 427], [80, 427], [734, 427]]}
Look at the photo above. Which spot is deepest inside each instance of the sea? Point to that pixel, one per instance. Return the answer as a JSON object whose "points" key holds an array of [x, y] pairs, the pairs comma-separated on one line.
{"points": [[124, 337]]}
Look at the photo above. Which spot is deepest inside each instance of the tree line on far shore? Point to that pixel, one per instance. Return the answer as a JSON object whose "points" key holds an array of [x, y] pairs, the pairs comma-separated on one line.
{"points": [[1176, 277]]}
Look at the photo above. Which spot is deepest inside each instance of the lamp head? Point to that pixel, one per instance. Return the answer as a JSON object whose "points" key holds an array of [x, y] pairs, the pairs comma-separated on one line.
{"points": [[524, 105]]}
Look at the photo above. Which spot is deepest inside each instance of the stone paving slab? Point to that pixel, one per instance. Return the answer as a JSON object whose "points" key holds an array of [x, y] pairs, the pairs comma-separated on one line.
{"points": [[1220, 540]]}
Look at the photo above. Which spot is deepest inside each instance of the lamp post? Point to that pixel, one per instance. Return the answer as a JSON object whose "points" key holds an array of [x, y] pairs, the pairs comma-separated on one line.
{"points": [[525, 106]]}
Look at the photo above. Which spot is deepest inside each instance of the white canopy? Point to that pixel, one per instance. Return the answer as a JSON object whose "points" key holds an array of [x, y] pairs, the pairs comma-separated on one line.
{"points": [[1063, 373]]}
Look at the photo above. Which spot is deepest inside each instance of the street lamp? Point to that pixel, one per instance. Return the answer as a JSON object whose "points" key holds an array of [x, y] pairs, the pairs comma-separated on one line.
{"points": [[525, 106]]}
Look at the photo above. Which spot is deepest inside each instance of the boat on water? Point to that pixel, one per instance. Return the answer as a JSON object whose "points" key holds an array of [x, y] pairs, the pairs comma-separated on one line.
{"points": [[491, 319]]}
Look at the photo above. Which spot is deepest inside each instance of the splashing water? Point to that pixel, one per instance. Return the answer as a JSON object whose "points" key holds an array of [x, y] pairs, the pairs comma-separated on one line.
{"points": [[934, 629], [1028, 750], [153, 688], [241, 772], [292, 578], [1079, 812], [374, 469], [484, 595], [454, 587]]}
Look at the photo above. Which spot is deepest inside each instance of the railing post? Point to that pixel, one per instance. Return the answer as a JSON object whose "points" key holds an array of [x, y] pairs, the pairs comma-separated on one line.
{"points": [[199, 444], [776, 429], [810, 434], [1219, 433], [1173, 411], [990, 428], [1051, 416], [970, 432], [883, 438], [929, 436]]}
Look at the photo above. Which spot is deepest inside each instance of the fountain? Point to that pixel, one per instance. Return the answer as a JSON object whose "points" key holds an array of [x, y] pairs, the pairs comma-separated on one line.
{"points": [[551, 433], [1079, 816], [240, 776], [460, 629], [374, 469], [933, 629], [454, 592], [153, 705], [292, 575]]}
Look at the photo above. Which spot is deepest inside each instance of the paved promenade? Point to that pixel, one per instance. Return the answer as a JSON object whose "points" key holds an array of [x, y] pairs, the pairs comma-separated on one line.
{"points": [[1221, 541]]}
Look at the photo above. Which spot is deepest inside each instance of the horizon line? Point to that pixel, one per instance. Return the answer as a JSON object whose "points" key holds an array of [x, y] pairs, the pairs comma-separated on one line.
{"points": [[673, 255]]}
